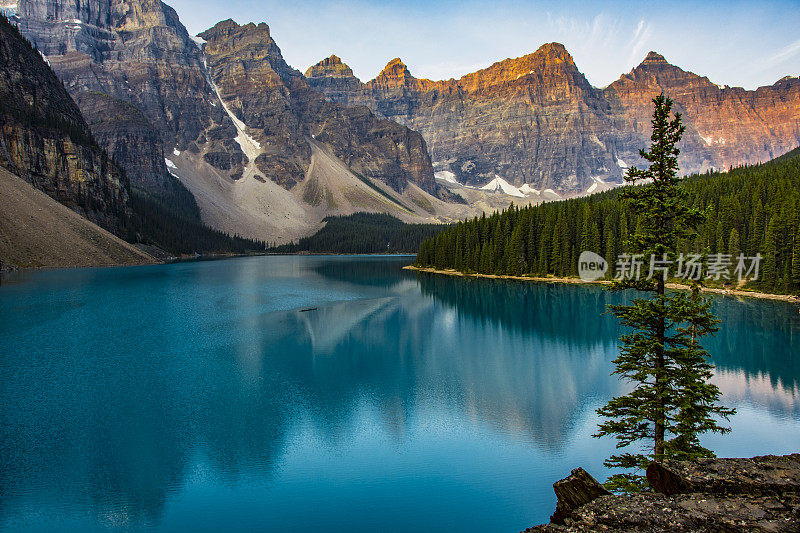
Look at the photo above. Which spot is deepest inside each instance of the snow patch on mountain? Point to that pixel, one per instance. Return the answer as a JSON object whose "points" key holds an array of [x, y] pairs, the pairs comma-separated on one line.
{"points": [[445, 175], [621, 163], [498, 184], [250, 147], [710, 140], [527, 190]]}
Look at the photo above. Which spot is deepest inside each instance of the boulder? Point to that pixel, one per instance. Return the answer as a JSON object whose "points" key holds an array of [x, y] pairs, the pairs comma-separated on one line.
{"points": [[764, 475]]}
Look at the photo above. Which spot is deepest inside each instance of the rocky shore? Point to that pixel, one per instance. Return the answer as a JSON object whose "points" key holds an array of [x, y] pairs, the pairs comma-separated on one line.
{"points": [[756, 494]]}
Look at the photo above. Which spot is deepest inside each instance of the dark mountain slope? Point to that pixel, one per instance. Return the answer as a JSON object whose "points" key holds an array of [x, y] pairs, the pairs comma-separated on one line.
{"points": [[45, 140]]}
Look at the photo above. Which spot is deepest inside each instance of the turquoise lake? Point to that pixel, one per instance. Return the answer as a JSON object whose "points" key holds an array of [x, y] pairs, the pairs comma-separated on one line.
{"points": [[197, 397]]}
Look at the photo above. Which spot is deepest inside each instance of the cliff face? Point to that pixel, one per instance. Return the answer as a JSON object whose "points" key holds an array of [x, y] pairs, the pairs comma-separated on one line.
{"points": [[45, 140], [137, 56], [281, 112], [334, 79], [724, 125], [237, 126], [136, 51], [537, 120], [534, 119]]}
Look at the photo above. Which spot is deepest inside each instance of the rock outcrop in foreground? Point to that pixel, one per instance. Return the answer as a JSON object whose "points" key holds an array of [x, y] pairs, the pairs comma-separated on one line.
{"points": [[757, 494]]}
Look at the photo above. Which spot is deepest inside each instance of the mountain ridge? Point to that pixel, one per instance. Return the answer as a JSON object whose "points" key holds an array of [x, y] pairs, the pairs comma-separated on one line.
{"points": [[614, 119], [180, 115], [183, 113]]}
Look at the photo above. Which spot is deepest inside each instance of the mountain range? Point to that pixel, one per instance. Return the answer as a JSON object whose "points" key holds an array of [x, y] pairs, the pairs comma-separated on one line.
{"points": [[220, 129], [536, 119]]}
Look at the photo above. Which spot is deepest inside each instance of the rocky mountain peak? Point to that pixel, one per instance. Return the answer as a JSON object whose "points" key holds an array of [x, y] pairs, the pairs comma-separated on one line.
{"points": [[252, 44], [556, 51], [395, 68], [550, 64], [230, 27], [654, 58], [394, 75], [223, 25], [332, 67]]}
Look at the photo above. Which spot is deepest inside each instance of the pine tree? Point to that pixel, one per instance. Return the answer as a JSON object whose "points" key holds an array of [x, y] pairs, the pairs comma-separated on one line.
{"points": [[672, 401], [693, 372], [796, 260], [770, 272], [734, 245]]}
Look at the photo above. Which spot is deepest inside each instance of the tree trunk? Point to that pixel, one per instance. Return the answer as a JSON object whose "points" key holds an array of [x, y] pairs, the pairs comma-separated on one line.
{"points": [[659, 378]]}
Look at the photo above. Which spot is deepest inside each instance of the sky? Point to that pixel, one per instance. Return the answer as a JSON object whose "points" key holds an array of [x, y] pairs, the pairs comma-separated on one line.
{"points": [[738, 43]]}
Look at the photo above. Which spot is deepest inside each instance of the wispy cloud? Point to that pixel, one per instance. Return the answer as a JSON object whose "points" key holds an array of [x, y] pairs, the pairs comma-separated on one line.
{"points": [[639, 41], [598, 32], [782, 55]]}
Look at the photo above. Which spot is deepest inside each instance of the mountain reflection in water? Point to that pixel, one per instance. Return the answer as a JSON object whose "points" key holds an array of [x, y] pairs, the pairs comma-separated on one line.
{"points": [[196, 396]]}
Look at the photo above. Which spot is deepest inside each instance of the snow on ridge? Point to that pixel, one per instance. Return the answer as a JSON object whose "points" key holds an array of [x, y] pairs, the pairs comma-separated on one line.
{"points": [[498, 184], [527, 189], [445, 175], [621, 163], [176, 152], [199, 41], [250, 147], [170, 164], [551, 191]]}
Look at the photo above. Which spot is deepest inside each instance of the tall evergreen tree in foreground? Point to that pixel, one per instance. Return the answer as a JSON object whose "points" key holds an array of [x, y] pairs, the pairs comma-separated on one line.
{"points": [[672, 401]]}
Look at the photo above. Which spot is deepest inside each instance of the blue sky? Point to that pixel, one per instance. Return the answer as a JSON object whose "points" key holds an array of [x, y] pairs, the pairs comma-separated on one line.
{"points": [[744, 44]]}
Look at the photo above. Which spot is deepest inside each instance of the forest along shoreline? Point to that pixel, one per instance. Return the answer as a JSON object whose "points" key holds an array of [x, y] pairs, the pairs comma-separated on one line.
{"points": [[577, 281]]}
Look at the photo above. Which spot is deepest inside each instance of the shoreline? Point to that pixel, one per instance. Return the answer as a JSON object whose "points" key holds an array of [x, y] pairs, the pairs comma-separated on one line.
{"points": [[167, 260], [577, 281]]}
